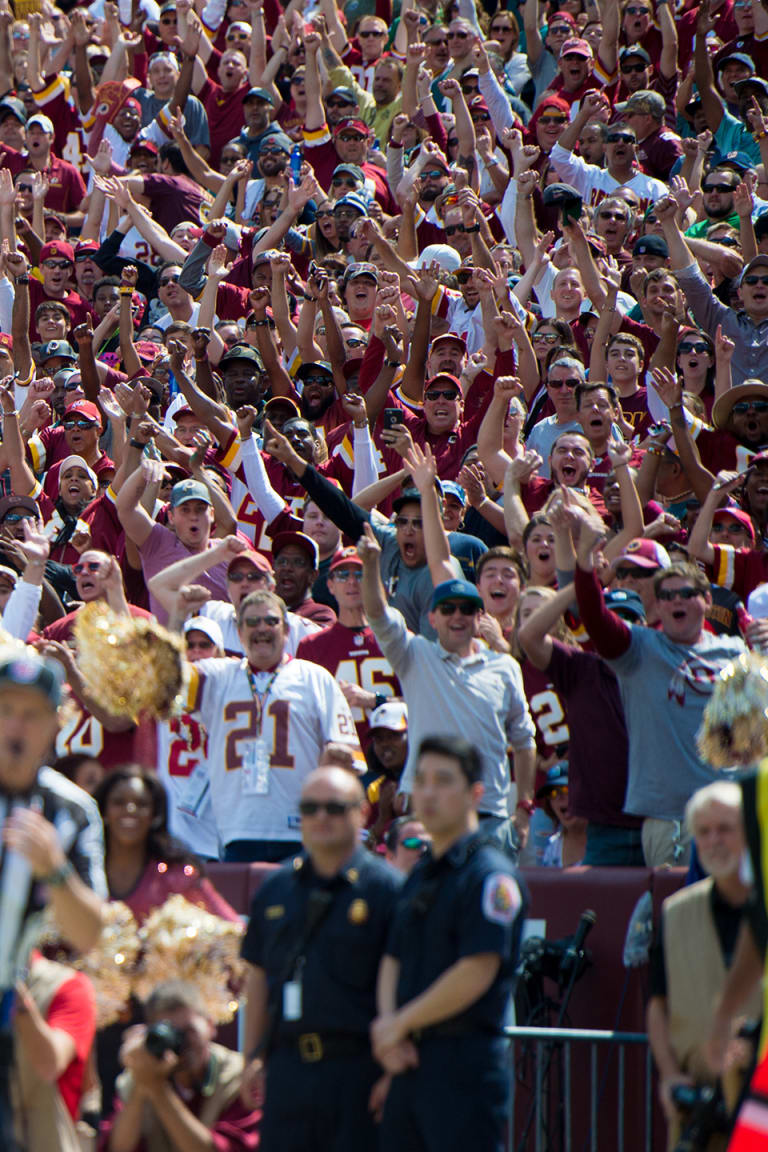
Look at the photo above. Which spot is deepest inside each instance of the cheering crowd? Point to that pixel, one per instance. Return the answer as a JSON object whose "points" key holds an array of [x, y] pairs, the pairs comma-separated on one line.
{"points": [[407, 364]]}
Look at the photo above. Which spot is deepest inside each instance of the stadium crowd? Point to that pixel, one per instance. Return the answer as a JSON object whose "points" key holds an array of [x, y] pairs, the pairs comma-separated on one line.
{"points": [[406, 361]]}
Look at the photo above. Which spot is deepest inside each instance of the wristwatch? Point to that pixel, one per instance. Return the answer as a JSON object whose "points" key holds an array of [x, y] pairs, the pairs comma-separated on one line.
{"points": [[59, 875]]}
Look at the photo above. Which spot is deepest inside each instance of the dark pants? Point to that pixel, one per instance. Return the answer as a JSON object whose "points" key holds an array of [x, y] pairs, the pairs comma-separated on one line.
{"points": [[260, 851], [321, 1107], [457, 1097], [7, 1139], [611, 847]]}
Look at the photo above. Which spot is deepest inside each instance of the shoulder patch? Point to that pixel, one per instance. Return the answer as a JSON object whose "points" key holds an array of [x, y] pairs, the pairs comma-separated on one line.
{"points": [[274, 911], [501, 898]]}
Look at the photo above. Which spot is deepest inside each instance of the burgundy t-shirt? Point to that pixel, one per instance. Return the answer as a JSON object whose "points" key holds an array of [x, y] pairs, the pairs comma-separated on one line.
{"points": [[173, 199]]}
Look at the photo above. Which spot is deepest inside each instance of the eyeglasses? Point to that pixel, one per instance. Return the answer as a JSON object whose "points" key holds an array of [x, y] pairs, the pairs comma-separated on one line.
{"points": [[628, 69], [480, 117], [15, 517], [323, 212], [253, 576], [81, 424], [168, 280], [678, 593], [85, 566], [630, 571], [753, 279], [441, 394], [608, 215], [414, 844], [546, 337], [330, 807], [744, 406], [620, 138], [692, 346], [553, 119], [345, 181], [414, 522], [371, 32], [451, 607], [259, 621], [457, 35], [571, 382], [62, 265], [350, 137], [718, 187], [344, 574]]}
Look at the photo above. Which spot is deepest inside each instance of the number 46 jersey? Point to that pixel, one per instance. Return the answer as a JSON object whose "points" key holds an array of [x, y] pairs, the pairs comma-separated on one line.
{"points": [[264, 739]]}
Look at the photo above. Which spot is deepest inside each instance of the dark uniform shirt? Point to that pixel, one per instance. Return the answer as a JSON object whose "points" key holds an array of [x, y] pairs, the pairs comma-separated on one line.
{"points": [[341, 962], [465, 903]]}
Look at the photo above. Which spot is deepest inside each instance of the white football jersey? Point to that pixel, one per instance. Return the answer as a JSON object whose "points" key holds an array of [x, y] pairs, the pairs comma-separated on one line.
{"points": [[182, 767]]}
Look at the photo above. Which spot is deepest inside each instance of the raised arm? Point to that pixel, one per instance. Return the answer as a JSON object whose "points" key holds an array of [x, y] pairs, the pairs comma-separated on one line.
{"points": [[699, 547], [533, 634], [168, 583], [423, 469], [711, 102], [671, 393]]}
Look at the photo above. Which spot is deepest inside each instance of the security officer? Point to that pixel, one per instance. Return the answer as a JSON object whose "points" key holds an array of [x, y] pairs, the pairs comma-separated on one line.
{"points": [[315, 940], [447, 976]]}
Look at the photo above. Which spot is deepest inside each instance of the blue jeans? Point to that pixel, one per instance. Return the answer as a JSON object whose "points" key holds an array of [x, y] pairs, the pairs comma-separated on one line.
{"points": [[260, 851], [611, 847]]}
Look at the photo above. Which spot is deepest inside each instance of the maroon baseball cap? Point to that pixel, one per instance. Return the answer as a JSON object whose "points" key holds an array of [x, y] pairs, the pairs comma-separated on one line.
{"points": [[352, 124], [644, 554], [85, 408], [346, 556], [57, 249], [738, 514], [84, 246], [576, 47], [255, 559], [444, 378], [301, 540]]}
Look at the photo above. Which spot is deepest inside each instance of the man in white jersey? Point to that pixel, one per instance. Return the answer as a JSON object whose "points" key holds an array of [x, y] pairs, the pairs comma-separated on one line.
{"points": [[182, 752], [247, 571], [269, 718]]}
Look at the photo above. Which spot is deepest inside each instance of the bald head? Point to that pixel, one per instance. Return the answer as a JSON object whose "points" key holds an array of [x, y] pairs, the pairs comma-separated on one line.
{"points": [[333, 776], [333, 812]]}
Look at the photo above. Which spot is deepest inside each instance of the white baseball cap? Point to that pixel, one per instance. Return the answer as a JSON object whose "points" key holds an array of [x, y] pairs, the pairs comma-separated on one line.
{"points": [[78, 462], [208, 627], [393, 716], [44, 121]]}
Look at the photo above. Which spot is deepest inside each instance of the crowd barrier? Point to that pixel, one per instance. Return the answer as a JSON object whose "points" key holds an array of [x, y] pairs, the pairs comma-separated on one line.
{"points": [[607, 999]]}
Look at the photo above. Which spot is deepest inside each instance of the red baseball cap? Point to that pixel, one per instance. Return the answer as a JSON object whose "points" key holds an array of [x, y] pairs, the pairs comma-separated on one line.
{"points": [[444, 377], [6, 341], [576, 47], [301, 540], [645, 554], [346, 556], [147, 351], [86, 246], [84, 408], [57, 248], [255, 559], [352, 124], [738, 514]]}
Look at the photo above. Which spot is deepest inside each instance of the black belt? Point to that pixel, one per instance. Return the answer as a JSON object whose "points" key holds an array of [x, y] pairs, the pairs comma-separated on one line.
{"points": [[313, 1047], [454, 1028]]}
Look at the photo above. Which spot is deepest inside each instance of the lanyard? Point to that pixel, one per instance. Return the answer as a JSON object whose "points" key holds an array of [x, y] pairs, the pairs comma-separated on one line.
{"points": [[260, 698]]}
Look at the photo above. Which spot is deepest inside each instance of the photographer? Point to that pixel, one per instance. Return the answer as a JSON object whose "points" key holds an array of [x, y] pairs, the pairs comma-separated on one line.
{"points": [[698, 933], [179, 1091]]}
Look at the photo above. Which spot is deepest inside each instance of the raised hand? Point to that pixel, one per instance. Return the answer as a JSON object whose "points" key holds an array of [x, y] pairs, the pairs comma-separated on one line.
{"points": [[246, 415], [422, 467], [667, 386], [724, 346], [353, 404], [523, 468], [200, 339], [619, 452], [368, 547]]}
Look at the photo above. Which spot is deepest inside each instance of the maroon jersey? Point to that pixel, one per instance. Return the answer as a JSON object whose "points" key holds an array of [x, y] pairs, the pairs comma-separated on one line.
{"points": [[225, 114], [548, 713], [354, 655], [740, 569], [634, 409]]}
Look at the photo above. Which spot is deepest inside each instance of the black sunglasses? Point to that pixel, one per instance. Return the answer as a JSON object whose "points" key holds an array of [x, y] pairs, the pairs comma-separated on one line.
{"points": [[330, 807], [451, 607]]}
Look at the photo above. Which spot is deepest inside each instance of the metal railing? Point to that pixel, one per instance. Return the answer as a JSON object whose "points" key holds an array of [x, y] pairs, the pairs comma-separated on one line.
{"points": [[569, 1102]]}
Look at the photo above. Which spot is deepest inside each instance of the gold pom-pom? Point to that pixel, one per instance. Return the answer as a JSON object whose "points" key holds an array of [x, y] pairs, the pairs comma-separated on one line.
{"points": [[110, 964], [184, 942], [132, 666], [735, 725]]}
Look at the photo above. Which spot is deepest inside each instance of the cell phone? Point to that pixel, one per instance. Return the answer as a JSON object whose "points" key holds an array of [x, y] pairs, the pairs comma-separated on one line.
{"points": [[656, 429], [393, 418]]}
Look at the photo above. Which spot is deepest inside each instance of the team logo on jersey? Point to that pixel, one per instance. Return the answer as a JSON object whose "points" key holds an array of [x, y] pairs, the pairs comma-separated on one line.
{"points": [[700, 676], [501, 898], [358, 639], [358, 912]]}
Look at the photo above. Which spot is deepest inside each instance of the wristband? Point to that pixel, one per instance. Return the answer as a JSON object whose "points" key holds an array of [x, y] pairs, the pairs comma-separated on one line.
{"points": [[474, 228], [137, 444], [526, 806], [25, 279], [755, 136], [312, 299], [392, 363], [59, 876], [491, 162], [655, 450], [259, 323], [126, 291], [396, 144]]}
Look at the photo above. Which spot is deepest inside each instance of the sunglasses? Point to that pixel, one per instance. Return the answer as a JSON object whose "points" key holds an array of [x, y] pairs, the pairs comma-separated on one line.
{"points": [[258, 621], [678, 594], [452, 229], [414, 844], [628, 69], [253, 576], [409, 522], [81, 424], [441, 394], [458, 35], [753, 279], [719, 187], [168, 20], [561, 790], [330, 807], [693, 346], [434, 174], [632, 10], [168, 280], [441, 42], [552, 119], [344, 181], [355, 342], [83, 256], [25, 188], [324, 212], [370, 33], [62, 265], [546, 337], [271, 151], [480, 117], [464, 607], [319, 378], [571, 382], [608, 215], [15, 517], [350, 137], [345, 574], [745, 405], [620, 138], [337, 102], [628, 572], [86, 566], [500, 29]]}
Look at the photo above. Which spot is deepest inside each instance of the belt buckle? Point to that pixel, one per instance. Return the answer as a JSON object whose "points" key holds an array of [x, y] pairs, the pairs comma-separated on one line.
{"points": [[310, 1047]]}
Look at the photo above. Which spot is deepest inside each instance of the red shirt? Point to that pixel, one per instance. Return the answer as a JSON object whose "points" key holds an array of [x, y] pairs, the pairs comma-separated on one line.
{"points": [[740, 569], [225, 114], [548, 713], [173, 199], [79, 309], [320, 152], [73, 1010]]}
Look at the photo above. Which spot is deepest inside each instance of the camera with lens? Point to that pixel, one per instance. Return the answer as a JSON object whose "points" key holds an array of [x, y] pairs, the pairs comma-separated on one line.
{"points": [[704, 1114], [162, 1037]]}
